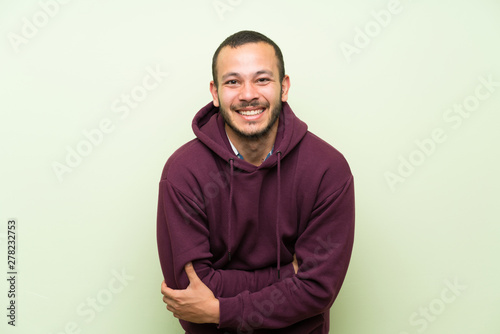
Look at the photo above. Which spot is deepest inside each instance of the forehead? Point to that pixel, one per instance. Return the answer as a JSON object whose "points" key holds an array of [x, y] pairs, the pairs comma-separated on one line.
{"points": [[247, 58]]}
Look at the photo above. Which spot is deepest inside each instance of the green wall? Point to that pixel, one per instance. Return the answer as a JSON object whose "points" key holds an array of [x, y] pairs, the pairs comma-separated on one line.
{"points": [[95, 96]]}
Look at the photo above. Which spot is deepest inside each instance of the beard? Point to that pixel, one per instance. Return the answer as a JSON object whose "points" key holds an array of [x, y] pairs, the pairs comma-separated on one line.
{"points": [[275, 113]]}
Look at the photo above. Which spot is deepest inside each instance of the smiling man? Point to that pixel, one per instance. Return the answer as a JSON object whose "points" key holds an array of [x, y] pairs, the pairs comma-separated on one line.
{"points": [[256, 215]]}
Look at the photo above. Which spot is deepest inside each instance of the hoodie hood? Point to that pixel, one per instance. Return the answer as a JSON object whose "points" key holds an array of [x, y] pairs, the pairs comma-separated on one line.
{"points": [[208, 126]]}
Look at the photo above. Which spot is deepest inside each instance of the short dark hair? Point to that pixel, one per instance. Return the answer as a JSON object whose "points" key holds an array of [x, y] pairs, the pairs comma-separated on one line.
{"points": [[244, 37]]}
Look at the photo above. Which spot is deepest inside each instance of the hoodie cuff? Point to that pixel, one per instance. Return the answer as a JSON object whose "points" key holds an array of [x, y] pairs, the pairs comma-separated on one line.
{"points": [[230, 310]]}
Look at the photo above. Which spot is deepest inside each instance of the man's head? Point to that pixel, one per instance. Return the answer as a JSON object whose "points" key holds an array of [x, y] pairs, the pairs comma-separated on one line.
{"points": [[245, 37], [249, 84]]}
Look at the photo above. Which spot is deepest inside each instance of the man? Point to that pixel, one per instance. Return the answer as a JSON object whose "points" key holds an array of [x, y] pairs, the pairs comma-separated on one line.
{"points": [[255, 215]]}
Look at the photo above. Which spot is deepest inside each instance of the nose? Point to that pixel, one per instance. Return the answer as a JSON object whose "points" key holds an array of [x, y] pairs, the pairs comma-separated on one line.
{"points": [[248, 92]]}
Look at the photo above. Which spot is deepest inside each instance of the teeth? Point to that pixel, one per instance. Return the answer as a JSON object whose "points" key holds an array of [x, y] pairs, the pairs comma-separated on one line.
{"points": [[250, 112]]}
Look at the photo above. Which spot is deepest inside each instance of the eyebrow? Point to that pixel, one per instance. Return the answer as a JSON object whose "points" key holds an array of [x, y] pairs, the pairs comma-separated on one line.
{"points": [[236, 74], [230, 74], [264, 72]]}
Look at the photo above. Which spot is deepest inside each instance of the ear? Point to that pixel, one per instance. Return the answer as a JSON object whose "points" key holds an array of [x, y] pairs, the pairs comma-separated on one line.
{"points": [[215, 95], [285, 87]]}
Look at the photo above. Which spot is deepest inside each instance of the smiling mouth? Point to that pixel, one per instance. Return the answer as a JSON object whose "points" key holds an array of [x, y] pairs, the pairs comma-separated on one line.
{"points": [[253, 112]]}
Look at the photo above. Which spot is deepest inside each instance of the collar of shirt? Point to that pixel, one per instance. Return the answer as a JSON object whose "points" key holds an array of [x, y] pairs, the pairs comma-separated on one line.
{"points": [[238, 153]]}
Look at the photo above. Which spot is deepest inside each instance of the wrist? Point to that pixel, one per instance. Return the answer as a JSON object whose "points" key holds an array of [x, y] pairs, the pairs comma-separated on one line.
{"points": [[215, 312]]}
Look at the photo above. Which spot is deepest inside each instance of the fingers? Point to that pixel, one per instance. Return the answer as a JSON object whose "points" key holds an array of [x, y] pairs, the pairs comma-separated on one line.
{"points": [[295, 264], [170, 302], [165, 289], [191, 273], [169, 295]]}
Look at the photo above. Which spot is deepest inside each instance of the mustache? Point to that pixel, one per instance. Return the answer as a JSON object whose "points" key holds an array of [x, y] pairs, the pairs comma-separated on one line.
{"points": [[255, 104]]}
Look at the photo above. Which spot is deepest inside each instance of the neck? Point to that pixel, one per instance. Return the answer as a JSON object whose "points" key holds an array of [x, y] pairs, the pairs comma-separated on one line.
{"points": [[253, 150]]}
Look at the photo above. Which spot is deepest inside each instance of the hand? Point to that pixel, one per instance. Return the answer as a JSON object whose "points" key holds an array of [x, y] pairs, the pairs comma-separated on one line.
{"points": [[195, 304], [295, 264]]}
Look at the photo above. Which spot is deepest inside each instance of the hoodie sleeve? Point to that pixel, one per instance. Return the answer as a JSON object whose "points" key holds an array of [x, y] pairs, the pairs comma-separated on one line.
{"points": [[323, 251], [183, 236]]}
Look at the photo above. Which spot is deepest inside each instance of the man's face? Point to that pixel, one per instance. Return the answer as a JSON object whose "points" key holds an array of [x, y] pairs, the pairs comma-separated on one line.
{"points": [[249, 93]]}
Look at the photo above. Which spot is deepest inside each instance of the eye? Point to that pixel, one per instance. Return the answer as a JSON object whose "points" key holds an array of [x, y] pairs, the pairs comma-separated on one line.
{"points": [[231, 82], [263, 80]]}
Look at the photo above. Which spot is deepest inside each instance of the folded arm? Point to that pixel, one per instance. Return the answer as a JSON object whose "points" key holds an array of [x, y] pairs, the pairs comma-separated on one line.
{"points": [[197, 302], [185, 218]]}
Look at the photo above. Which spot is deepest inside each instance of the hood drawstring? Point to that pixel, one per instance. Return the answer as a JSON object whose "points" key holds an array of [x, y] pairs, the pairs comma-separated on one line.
{"points": [[231, 164], [278, 239]]}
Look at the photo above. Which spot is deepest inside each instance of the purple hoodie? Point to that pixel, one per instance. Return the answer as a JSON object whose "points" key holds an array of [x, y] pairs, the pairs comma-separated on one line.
{"points": [[241, 224]]}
